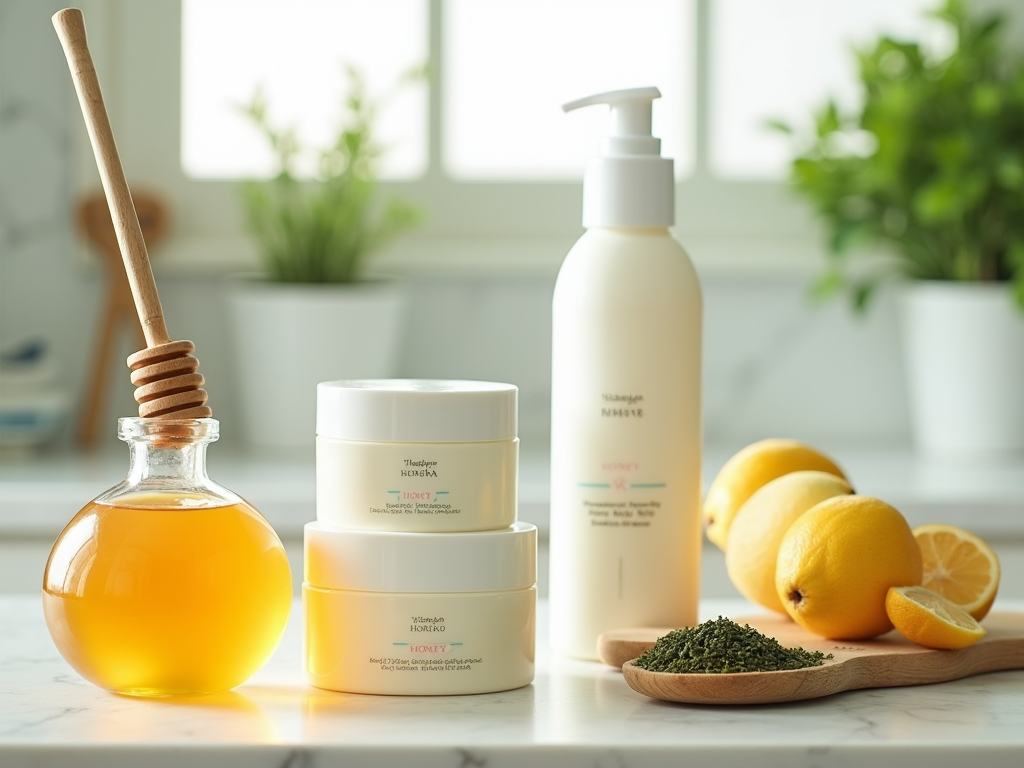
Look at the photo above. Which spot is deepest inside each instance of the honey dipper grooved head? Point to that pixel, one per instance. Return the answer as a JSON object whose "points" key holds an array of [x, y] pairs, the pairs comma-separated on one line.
{"points": [[167, 384]]}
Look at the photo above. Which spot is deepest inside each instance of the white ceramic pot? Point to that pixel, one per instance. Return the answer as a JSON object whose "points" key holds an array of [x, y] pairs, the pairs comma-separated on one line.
{"points": [[964, 351], [289, 337]]}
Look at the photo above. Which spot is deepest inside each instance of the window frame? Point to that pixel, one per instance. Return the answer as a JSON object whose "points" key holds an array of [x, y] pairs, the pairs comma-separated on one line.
{"points": [[472, 228]]}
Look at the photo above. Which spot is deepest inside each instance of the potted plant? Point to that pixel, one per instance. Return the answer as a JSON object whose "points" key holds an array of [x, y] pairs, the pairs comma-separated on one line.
{"points": [[315, 313], [930, 171]]}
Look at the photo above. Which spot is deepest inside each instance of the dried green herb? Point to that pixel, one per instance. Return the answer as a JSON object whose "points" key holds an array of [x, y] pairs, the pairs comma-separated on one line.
{"points": [[724, 646]]}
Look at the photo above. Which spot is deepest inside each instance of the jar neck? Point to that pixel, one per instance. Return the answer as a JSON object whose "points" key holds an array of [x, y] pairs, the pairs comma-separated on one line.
{"points": [[168, 463], [155, 460]]}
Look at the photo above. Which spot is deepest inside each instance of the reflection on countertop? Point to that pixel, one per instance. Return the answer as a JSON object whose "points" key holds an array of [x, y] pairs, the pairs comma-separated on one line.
{"points": [[575, 713]]}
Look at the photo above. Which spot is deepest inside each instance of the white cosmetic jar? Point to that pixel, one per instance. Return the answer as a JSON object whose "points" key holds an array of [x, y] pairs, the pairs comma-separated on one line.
{"points": [[416, 455], [419, 614]]}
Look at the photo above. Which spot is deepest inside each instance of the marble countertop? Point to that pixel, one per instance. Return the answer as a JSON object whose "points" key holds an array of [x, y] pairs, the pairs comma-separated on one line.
{"points": [[575, 714], [39, 496]]}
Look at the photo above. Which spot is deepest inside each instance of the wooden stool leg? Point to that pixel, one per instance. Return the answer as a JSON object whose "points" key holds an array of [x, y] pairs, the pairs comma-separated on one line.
{"points": [[88, 431]]}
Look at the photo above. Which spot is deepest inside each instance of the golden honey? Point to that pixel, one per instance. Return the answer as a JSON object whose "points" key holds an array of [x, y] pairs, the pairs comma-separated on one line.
{"points": [[167, 593]]}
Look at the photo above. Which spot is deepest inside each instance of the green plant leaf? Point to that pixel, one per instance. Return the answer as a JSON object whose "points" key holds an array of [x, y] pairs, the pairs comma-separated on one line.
{"points": [[848, 235], [827, 119], [827, 286], [780, 126], [943, 182], [861, 293], [323, 231], [1010, 171]]}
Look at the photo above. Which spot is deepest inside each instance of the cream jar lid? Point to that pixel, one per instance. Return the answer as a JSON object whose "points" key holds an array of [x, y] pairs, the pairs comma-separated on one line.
{"points": [[416, 410], [389, 561]]}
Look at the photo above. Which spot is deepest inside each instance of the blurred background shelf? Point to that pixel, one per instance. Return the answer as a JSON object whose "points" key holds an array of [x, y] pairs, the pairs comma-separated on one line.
{"points": [[39, 496]]}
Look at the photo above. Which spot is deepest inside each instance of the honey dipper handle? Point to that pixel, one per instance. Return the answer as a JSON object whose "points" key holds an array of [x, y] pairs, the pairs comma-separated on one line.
{"points": [[70, 26]]}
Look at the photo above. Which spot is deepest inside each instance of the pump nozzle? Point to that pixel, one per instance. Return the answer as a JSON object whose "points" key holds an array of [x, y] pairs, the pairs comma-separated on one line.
{"points": [[631, 184], [631, 120]]}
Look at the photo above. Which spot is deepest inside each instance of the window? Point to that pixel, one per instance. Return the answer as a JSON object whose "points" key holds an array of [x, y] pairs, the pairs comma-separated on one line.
{"points": [[295, 52], [510, 64], [489, 155], [782, 59]]}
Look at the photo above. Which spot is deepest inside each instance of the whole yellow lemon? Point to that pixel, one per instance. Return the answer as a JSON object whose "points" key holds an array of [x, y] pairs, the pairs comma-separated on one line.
{"points": [[837, 562], [762, 521], [748, 470]]}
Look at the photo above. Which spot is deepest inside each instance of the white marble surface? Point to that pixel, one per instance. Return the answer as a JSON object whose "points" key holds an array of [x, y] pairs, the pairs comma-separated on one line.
{"points": [[575, 714]]}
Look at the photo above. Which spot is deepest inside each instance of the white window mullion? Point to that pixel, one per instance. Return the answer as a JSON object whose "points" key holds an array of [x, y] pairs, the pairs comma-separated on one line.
{"points": [[435, 46], [702, 67]]}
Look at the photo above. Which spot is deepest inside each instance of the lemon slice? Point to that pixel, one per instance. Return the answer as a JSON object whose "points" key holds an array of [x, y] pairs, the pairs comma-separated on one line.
{"points": [[929, 619], [959, 566]]}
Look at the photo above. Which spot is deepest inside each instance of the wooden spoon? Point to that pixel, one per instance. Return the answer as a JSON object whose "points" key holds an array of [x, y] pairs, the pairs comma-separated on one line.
{"points": [[884, 662], [164, 373]]}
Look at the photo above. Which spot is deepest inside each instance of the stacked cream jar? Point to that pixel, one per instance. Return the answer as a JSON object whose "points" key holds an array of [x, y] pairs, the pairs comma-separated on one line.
{"points": [[418, 579]]}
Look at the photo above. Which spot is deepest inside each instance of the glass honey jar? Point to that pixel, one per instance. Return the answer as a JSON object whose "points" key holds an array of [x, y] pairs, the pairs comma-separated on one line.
{"points": [[167, 584]]}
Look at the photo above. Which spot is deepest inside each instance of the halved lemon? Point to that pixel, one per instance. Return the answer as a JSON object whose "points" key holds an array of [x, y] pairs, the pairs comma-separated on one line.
{"points": [[929, 619], [959, 566]]}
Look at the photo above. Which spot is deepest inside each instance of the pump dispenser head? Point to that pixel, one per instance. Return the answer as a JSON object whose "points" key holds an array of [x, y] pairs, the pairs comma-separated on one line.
{"points": [[630, 184]]}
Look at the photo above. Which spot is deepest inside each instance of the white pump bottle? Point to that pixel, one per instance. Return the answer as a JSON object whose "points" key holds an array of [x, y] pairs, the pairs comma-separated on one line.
{"points": [[625, 410]]}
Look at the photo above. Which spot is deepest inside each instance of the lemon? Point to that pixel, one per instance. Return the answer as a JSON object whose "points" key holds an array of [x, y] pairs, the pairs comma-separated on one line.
{"points": [[959, 566], [762, 521], [837, 562], [747, 471], [929, 619]]}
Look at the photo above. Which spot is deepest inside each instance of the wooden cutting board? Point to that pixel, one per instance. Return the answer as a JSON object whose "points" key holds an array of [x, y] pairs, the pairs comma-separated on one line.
{"points": [[883, 662]]}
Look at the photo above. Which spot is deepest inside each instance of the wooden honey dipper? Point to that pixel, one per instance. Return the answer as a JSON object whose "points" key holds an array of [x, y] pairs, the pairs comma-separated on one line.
{"points": [[165, 373]]}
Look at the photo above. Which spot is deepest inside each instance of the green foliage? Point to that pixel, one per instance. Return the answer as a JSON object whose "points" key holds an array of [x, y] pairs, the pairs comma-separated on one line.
{"points": [[932, 166], [322, 231]]}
